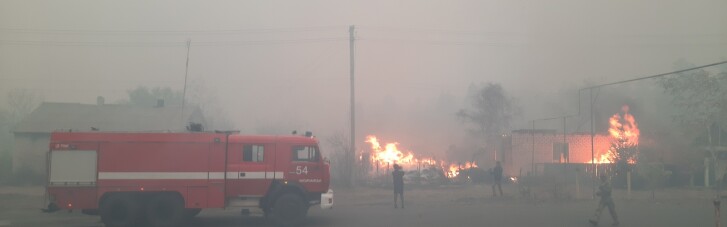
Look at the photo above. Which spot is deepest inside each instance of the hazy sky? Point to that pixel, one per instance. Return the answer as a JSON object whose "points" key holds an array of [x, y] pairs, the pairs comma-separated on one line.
{"points": [[285, 63]]}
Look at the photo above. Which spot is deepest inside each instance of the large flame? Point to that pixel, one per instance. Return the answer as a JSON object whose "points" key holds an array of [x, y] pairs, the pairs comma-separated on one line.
{"points": [[603, 158], [624, 133], [624, 130], [389, 154], [454, 169]]}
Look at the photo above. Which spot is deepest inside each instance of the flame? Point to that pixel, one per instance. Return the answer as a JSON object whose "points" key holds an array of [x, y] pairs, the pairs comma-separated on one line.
{"points": [[624, 130], [389, 154], [603, 158], [624, 133], [454, 169]]}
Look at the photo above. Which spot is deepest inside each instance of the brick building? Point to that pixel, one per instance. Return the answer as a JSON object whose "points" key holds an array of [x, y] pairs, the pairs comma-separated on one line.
{"points": [[519, 153]]}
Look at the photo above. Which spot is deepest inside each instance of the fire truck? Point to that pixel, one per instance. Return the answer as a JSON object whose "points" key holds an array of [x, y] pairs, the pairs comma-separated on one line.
{"points": [[161, 179]]}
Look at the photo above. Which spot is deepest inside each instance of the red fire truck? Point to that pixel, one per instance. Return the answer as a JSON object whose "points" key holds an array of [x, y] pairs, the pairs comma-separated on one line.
{"points": [[160, 179]]}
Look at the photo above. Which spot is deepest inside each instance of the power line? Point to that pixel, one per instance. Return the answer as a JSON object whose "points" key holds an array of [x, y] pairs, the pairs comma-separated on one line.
{"points": [[169, 44], [511, 43], [435, 42], [89, 43], [475, 33], [597, 87], [327, 28], [654, 76], [175, 32], [627, 81], [442, 31], [269, 42]]}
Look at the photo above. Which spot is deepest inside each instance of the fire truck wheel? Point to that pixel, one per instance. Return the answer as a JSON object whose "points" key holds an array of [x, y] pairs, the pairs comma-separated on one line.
{"points": [[165, 210], [120, 210], [190, 213], [289, 210]]}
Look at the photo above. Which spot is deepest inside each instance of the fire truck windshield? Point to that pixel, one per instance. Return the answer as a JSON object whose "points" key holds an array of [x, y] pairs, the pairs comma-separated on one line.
{"points": [[305, 153]]}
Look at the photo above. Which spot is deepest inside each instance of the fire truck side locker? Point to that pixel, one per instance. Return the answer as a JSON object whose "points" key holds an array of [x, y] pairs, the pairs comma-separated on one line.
{"points": [[74, 171], [217, 169]]}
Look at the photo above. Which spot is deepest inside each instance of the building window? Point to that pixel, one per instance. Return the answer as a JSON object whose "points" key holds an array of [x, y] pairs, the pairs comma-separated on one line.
{"points": [[253, 153], [560, 152], [305, 153]]}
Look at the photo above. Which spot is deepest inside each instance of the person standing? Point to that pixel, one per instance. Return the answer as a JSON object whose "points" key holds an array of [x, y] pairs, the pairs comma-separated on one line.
{"points": [[398, 175], [497, 175], [604, 191]]}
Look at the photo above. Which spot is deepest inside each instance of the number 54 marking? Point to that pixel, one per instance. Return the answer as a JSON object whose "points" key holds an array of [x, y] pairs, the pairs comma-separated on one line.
{"points": [[301, 170]]}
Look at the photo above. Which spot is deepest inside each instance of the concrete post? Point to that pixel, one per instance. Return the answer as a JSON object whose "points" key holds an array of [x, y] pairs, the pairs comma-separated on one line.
{"points": [[717, 212], [706, 172], [628, 184], [578, 187]]}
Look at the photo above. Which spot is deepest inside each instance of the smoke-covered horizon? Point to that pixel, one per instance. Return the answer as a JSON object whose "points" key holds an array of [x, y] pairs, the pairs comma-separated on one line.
{"points": [[282, 66]]}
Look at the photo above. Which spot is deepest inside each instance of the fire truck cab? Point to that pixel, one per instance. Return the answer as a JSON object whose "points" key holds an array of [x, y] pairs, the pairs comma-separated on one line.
{"points": [[163, 178]]}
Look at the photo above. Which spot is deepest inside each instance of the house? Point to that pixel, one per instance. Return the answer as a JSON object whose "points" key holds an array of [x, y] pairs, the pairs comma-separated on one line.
{"points": [[525, 149], [32, 134]]}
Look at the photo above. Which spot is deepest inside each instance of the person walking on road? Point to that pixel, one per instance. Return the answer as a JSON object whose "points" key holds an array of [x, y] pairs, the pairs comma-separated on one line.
{"points": [[604, 191], [497, 174], [398, 175]]}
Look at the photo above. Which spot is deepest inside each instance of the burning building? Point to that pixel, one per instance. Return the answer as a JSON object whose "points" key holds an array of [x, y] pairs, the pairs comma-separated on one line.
{"points": [[538, 147], [521, 152], [524, 150], [380, 158]]}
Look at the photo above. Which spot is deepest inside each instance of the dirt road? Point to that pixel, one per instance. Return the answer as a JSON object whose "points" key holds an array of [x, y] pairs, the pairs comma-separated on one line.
{"points": [[466, 206]]}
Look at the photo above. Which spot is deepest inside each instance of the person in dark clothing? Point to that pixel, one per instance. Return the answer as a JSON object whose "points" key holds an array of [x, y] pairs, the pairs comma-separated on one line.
{"points": [[398, 175], [604, 191], [497, 174]]}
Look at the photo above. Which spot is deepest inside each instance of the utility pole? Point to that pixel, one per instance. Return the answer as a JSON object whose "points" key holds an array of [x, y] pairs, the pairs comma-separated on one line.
{"points": [[184, 90], [352, 158], [593, 157], [532, 160], [566, 159]]}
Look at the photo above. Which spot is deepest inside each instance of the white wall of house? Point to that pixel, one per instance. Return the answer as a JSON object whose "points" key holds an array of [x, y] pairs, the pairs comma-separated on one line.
{"points": [[29, 153]]}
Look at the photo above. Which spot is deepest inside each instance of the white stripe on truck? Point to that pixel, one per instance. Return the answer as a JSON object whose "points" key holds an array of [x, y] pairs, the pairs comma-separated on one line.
{"points": [[187, 175]]}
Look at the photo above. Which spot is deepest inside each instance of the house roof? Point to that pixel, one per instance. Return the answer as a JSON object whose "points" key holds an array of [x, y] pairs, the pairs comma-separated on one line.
{"points": [[50, 117]]}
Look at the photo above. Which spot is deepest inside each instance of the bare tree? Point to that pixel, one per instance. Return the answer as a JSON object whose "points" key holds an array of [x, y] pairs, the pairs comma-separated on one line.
{"points": [[6, 142], [489, 112], [198, 94], [342, 166], [144, 96], [700, 98], [20, 103]]}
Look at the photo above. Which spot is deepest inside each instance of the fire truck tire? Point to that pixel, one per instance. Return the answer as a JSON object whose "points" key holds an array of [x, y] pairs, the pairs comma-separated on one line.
{"points": [[289, 210], [120, 210], [190, 213], [165, 210]]}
